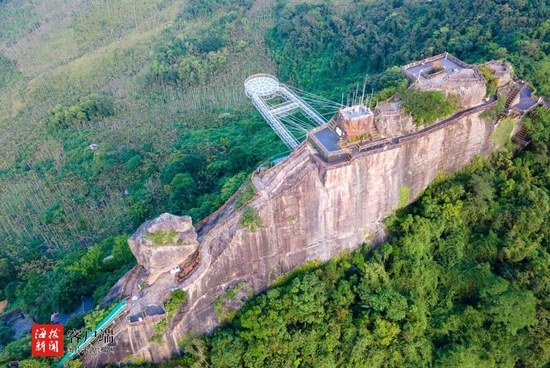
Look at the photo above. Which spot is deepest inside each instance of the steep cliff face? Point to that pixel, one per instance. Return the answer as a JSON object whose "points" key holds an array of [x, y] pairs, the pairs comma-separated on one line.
{"points": [[395, 124], [310, 210], [470, 93]]}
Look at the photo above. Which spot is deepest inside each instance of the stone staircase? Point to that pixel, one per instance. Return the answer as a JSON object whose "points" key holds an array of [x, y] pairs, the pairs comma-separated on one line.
{"points": [[522, 134], [522, 137], [513, 94], [346, 150], [375, 134]]}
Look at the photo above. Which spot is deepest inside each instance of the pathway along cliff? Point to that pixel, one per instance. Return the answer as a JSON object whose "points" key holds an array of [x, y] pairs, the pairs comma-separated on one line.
{"points": [[308, 210]]}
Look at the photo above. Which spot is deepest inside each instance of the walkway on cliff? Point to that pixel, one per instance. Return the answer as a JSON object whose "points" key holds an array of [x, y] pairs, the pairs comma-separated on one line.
{"points": [[395, 142]]}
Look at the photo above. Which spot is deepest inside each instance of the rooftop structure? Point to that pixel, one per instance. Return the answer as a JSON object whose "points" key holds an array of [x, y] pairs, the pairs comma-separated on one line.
{"points": [[389, 107], [355, 112], [356, 129], [352, 130], [499, 68], [526, 102], [354, 124], [520, 99]]}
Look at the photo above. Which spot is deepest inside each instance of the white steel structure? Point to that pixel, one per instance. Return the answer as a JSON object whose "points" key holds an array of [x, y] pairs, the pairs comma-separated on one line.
{"points": [[261, 88]]}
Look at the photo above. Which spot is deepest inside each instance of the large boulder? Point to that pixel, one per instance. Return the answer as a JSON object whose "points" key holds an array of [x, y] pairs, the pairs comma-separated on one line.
{"points": [[163, 243]]}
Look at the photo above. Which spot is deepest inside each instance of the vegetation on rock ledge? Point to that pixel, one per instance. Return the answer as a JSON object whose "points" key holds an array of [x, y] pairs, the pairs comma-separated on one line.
{"points": [[161, 238], [250, 219], [427, 106]]}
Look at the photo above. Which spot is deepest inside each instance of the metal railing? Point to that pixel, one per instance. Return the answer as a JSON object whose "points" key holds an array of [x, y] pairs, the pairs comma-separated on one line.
{"points": [[272, 114], [275, 123], [108, 320]]}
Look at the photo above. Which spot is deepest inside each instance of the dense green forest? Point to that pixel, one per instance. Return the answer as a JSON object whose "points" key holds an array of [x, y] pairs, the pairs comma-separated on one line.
{"points": [[156, 85], [101, 131], [340, 42]]}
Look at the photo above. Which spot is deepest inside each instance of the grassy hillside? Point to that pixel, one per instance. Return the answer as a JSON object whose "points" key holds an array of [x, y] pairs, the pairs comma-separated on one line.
{"points": [[81, 73], [55, 53]]}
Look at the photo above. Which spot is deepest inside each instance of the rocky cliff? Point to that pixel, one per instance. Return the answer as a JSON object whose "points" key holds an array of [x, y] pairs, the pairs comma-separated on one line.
{"points": [[163, 243], [309, 210]]}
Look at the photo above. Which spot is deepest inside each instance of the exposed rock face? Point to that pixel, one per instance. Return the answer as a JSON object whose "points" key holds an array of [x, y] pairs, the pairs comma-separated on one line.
{"points": [[470, 92], [163, 243], [503, 71], [311, 210], [129, 340], [396, 123]]}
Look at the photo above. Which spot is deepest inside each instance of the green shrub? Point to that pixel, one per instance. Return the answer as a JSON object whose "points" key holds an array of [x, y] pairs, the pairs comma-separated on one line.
{"points": [[494, 112], [8, 72], [92, 318], [159, 329], [250, 219], [501, 136], [427, 106], [492, 81], [227, 313], [177, 298], [171, 306], [16, 350], [358, 138], [287, 277], [404, 194], [245, 196], [91, 107], [6, 335], [538, 126]]}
